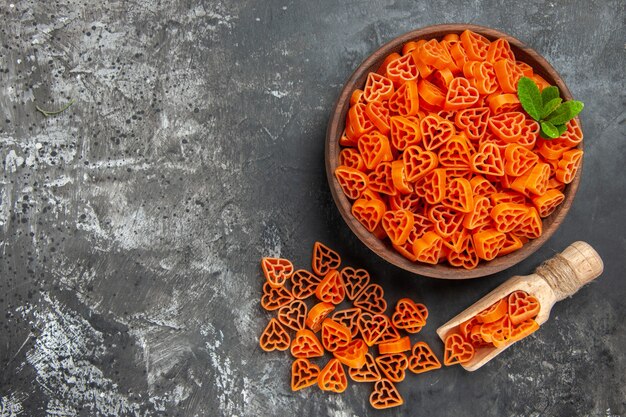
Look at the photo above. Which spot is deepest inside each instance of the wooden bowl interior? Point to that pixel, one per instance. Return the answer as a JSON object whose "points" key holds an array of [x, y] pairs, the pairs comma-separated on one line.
{"points": [[337, 124]]}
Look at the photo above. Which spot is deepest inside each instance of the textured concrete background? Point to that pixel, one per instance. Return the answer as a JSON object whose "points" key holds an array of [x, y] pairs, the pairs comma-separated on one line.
{"points": [[132, 224]]}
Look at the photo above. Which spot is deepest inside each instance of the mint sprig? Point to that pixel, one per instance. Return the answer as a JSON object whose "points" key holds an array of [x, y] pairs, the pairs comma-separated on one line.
{"points": [[547, 107]]}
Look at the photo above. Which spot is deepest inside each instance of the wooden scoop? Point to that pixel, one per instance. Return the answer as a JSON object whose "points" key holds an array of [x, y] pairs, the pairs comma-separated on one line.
{"points": [[557, 278]]}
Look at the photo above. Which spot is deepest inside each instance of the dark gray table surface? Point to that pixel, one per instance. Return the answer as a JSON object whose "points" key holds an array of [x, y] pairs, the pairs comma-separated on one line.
{"points": [[132, 224]]}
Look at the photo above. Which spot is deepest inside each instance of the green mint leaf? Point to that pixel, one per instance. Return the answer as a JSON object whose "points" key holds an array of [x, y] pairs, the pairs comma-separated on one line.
{"points": [[549, 93], [530, 97], [560, 112], [550, 106], [549, 130], [566, 112], [560, 128]]}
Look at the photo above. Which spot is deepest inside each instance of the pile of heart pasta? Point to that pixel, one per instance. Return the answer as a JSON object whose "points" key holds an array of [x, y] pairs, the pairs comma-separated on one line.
{"points": [[506, 321], [311, 305], [439, 157]]}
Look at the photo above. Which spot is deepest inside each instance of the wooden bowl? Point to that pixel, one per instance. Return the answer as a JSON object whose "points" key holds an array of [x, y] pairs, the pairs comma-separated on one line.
{"points": [[337, 124]]}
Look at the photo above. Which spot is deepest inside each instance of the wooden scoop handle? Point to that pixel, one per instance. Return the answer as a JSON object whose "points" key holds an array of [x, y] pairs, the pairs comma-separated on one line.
{"points": [[571, 269]]}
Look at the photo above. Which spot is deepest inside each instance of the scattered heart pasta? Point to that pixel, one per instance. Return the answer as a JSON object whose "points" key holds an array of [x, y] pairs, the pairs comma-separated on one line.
{"points": [[439, 158], [334, 322]]}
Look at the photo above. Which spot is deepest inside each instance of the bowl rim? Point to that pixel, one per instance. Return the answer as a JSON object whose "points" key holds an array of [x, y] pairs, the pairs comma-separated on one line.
{"points": [[383, 249]]}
